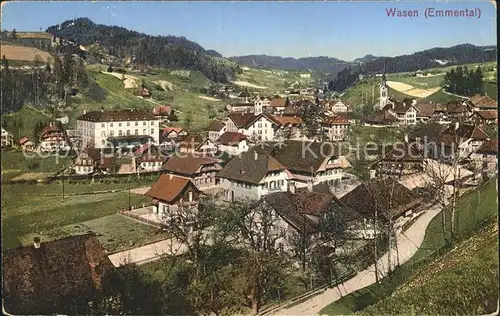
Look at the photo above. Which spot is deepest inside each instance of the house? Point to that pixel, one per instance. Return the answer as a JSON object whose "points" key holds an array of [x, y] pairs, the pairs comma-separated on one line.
{"points": [[196, 144], [233, 143], [484, 117], [252, 175], [46, 277], [482, 102], [486, 157], [173, 133], [120, 128], [263, 102], [465, 138], [335, 127], [201, 171], [309, 161], [278, 105], [26, 144], [216, 129], [54, 138], [170, 193], [240, 107], [426, 134], [256, 125], [428, 111], [288, 127], [143, 92], [7, 138], [384, 200], [91, 160], [381, 118], [163, 111], [458, 111], [405, 112], [404, 158], [337, 106], [149, 158]]}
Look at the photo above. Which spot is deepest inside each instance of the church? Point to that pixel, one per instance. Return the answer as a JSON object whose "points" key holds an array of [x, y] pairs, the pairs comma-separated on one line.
{"points": [[384, 94]]}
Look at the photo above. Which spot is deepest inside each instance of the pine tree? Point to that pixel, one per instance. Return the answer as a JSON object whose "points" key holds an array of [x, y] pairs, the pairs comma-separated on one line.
{"points": [[14, 35], [478, 80]]}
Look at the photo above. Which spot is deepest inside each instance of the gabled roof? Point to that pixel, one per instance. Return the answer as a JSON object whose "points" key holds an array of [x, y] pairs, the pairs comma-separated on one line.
{"points": [[278, 102], [250, 167], [427, 109], [400, 108], [169, 187], [457, 108], [53, 129], [168, 130], [387, 197], [245, 120], [304, 156], [483, 101], [92, 152], [404, 152], [381, 117], [23, 140], [146, 148], [232, 138], [466, 131], [429, 131], [162, 110], [489, 147], [120, 115], [193, 142], [216, 125], [287, 120], [290, 110], [487, 114], [187, 164], [335, 120], [40, 280]]}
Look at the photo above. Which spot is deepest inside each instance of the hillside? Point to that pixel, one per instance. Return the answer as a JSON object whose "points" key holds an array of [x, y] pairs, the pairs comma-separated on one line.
{"points": [[321, 64], [142, 49], [365, 59]]}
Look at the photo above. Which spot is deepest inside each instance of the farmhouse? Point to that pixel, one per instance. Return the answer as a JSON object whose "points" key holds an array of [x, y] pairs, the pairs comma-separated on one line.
{"points": [[381, 118], [149, 158], [337, 106], [216, 129], [484, 117], [278, 105], [196, 144], [172, 133], [458, 111], [200, 170], [32, 286], [486, 157], [123, 126], [163, 111], [171, 193], [406, 113], [256, 126], [252, 175], [233, 143], [465, 138], [53, 138], [482, 102], [91, 160], [429, 111], [26, 144], [336, 127]]}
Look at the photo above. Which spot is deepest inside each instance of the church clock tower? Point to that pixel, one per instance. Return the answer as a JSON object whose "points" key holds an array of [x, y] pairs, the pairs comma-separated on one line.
{"points": [[384, 97]]}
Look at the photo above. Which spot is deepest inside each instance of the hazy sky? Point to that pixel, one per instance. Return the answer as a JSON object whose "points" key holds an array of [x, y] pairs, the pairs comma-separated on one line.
{"points": [[344, 30]]}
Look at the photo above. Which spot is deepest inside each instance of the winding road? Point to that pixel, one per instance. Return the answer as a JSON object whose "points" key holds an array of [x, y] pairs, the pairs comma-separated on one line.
{"points": [[408, 244]]}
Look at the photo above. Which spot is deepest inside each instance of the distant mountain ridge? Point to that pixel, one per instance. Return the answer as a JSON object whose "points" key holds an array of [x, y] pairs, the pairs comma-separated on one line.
{"points": [[321, 63], [160, 51], [365, 59]]}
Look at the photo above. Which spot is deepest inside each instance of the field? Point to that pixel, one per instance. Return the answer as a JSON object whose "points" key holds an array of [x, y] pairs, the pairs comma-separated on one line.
{"points": [[24, 53], [474, 208], [273, 81], [14, 164], [43, 215], [411, 90]]}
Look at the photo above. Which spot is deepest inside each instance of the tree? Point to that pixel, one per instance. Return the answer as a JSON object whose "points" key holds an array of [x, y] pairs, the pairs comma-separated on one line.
{"points": [[310, 114], [14, 35], [110, 69], [188, 121]]}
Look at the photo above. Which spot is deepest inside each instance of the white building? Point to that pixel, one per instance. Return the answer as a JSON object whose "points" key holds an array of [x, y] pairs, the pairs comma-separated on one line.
{"points": [[406, 113], [251, 176], [336, 128], [216, 129], [97, 128], [338, 107], [256, 126], [233, 143]]}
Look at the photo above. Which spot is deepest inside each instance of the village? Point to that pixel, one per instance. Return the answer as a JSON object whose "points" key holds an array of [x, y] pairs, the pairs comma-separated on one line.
{"points": [[283, 154]]}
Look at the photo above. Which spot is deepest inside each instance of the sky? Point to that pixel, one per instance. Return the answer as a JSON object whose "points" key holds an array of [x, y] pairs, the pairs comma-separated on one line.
{"points": [[344, 30]]}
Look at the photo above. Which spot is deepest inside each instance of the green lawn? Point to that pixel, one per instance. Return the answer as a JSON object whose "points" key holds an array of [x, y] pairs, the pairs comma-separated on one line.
{"points": [[31, 162], [485, 202], [115, 232], [42, 214], [23, 123]]}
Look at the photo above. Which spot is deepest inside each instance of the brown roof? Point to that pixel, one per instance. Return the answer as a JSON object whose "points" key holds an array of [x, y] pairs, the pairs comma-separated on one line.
{"points": [[287, 120], [483, 101], [250, 167], [120, 115], [40, 281], [386, 196], [290, 110], [489, 147], [278, 102], [168, 188], [231, 138], [192, 141], [381, 117], [398, 107], [162, 110], [304, 156], [216, 126], [404, 152], [23, 140], [487, 114], [457, 107], [466, 131], [429, 131], [426, 109], [336, 120], [168, 130], [187, 164], [244, 120]]}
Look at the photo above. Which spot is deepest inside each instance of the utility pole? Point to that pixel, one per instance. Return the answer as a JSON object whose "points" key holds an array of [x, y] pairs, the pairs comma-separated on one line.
{"points": [[129, 205], [63, 183], [375, 227]]}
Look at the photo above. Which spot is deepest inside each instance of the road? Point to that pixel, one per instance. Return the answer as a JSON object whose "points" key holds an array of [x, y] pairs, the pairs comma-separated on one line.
{"points": [[408, 244]]}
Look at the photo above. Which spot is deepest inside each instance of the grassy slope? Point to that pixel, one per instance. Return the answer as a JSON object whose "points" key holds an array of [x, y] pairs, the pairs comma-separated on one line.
{"points": [[485, 202], [275, 82]]}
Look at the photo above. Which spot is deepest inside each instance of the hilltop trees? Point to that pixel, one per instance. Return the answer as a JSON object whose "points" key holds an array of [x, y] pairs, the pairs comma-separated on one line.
{"points": [[465, 82]]}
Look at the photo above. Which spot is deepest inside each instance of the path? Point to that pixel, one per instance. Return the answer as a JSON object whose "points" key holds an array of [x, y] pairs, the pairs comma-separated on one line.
{"points": [[141, 191], [408, 244], [148, 253], [455, 95]]}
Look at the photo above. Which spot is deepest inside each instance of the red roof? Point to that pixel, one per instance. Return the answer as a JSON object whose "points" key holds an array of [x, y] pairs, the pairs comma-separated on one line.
{"points": [[488, 114], [483, 101], [336, 120], [162, 110], [23, 140], [287, 120], [231, 138], [187, 164], [278, 102], [168, 130], [169, 188]]}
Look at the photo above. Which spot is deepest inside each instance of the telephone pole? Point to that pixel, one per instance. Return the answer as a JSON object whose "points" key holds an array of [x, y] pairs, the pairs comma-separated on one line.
{"points": [[129, 205]]}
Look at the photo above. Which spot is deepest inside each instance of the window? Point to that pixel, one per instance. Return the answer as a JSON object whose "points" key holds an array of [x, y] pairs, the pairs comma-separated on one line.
{"points": [[120, 133], [128, 123], [143, 131], [128, 132], [110, 124], [190, 196], [136, 132], [103, 141], [103, 125], [119, 124], [103, 134], [152, 131], [111, 133], [136, 123], [143, 123]]}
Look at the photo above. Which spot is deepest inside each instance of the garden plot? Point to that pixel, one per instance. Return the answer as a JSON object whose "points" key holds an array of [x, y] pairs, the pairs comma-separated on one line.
{"points": [[248, 84], [411, 90]]}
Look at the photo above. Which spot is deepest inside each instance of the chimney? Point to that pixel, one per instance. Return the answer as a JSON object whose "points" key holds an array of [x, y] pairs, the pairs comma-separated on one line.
{"points": [[406, 138], [310, 186], [457, 124], [84, 112], [414, 101], [36, 242], [372, 173], [255, 155]]}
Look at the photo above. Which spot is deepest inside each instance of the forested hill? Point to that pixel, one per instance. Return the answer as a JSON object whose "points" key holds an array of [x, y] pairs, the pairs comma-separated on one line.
{"points": [[321, 63], [160, 51]]}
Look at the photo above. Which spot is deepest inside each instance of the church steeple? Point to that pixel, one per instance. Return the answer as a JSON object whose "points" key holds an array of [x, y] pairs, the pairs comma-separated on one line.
{"points": [[383, 75], [383, 91]]}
